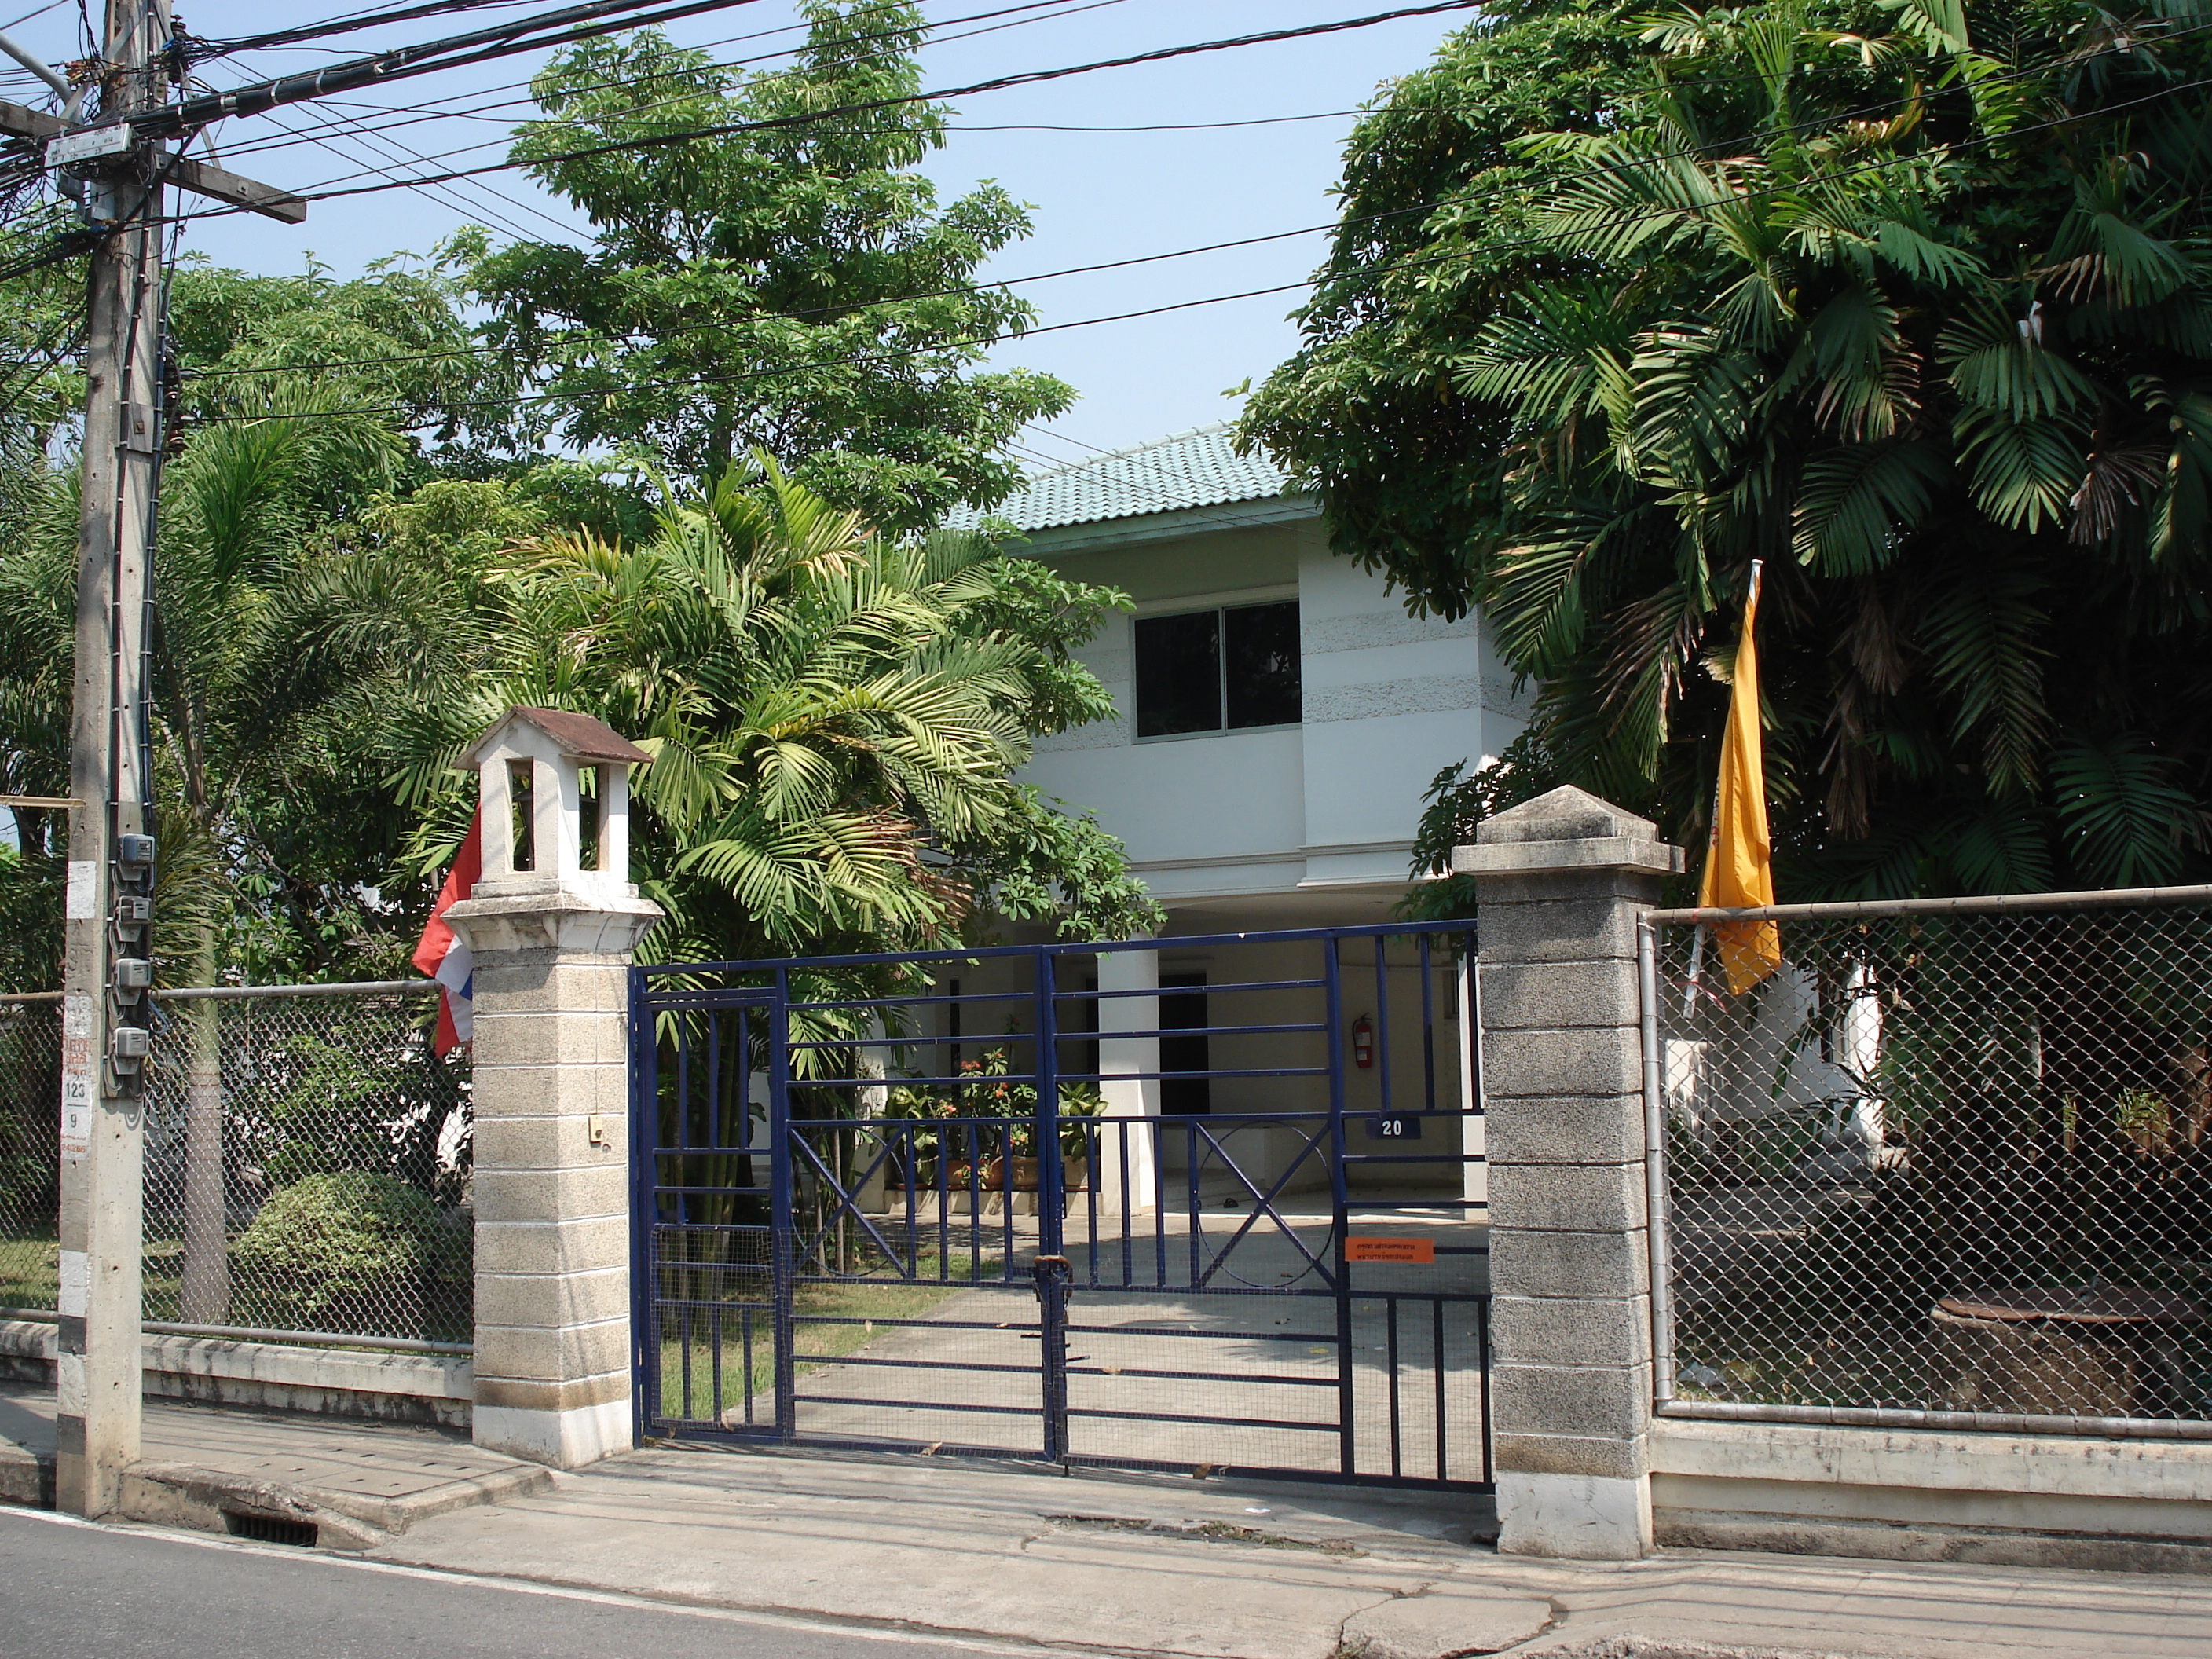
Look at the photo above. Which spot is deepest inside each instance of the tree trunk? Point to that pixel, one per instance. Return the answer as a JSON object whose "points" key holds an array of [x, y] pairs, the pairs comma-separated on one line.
{"points": [[205, 1294]]}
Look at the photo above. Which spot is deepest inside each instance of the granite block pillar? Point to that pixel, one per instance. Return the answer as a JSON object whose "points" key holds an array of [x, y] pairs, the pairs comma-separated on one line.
{"points": [[551, 1184], [1561, 882], [551, 922]]}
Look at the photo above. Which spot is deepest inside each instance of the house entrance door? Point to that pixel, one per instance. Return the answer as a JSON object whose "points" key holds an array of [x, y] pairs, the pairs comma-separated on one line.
{"points": [[930, 1203]]}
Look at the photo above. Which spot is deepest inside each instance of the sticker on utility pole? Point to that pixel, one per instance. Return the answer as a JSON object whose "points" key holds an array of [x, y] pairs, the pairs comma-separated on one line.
{"points": [[88, 145], [81, 903], [79, 1097], [76, 1284]]}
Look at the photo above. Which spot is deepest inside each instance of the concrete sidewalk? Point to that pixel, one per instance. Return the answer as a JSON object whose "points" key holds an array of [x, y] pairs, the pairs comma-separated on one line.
{"points": [[1242, 1571], [1132, 1565], [353, 1484]]}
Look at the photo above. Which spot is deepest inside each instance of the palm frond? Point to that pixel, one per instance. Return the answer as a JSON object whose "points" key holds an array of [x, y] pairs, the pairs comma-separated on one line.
{"points": [[1855, 503], [2126, 819]]}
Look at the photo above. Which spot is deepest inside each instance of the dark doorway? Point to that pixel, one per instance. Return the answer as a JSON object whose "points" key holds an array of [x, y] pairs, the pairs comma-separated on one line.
{"points": [[1184, 1046]]}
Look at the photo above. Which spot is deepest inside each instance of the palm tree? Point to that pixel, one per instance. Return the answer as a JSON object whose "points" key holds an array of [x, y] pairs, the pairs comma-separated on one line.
{"points": [[1926, 324], [835, 716], [244, 727]]}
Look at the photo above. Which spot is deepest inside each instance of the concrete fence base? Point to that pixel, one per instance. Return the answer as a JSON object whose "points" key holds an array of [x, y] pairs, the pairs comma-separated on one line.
{"points": [[1924, 1494], [389, 1387]]}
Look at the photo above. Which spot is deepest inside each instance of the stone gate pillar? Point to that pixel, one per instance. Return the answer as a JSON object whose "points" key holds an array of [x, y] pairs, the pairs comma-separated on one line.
{"points": [[552, 924], [1561, 881]]}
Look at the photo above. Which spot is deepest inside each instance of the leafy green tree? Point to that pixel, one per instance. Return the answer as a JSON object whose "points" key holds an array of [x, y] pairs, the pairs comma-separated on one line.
{"points": [[392, 341], [302, 403], [1910, 302], [795, 287]]}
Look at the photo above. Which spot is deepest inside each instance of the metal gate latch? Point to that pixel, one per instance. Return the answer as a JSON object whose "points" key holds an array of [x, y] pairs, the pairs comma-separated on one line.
{"points": [[1052, 1274]]}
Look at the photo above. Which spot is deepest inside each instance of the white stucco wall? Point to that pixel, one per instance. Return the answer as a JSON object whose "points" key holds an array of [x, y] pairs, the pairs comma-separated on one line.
{"points": [[1389, 701]]}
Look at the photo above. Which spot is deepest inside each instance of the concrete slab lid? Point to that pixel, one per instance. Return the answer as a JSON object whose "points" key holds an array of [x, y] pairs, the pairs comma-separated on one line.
{"points": [[579, 736]]}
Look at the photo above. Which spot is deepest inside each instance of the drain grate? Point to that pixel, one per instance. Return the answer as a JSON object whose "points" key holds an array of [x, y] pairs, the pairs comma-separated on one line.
{"points": [[267, 1529]]}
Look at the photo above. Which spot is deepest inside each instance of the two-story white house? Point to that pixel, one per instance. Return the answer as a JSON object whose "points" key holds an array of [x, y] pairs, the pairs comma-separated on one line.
{"points": [[1278, 717], [1280, 713]]}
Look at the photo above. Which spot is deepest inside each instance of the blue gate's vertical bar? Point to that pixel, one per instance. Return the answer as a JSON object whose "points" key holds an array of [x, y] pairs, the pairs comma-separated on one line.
{"points": [[644, 1156], [781, 1223], [1052, 1265], [1340, 1203], [686, 1176]]}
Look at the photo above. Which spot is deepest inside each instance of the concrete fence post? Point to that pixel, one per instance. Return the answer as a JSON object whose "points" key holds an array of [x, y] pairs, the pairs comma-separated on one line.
{"points": [[550, 1101], [1561, 881]]}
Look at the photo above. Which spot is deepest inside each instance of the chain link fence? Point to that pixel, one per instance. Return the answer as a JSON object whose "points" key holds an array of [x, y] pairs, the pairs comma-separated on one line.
{"points": [[1948, 1160], [307, 1172], [30, 1149]]}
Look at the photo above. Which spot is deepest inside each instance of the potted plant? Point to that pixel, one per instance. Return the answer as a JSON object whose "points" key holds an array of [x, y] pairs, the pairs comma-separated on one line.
{"points": [[987, 1127]]}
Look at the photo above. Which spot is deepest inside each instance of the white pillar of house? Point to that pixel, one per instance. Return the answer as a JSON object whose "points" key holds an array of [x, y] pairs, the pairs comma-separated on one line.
{"points": [[1128, 1068]]}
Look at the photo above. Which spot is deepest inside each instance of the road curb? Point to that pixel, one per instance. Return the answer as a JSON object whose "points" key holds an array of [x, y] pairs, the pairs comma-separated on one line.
{"points": [[216, 1500]]}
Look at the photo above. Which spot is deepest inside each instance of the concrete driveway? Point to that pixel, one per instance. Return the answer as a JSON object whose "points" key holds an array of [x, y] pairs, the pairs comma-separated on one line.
{"points": [[1228, 1358]]}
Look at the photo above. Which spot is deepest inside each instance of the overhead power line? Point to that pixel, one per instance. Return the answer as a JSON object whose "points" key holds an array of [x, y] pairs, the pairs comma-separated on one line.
{"points": [[1037, 12], [17, 22], [1160, 126], [345, 23], [865, 359], [416, 115], [328, 192], [555, 29], [1862, 112], [433, 109], [792, 316], [999, 83], [386, 154]]}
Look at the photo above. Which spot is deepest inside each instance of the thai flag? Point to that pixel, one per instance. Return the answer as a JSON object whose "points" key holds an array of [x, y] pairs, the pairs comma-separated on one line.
{"points": [[444, 955]]}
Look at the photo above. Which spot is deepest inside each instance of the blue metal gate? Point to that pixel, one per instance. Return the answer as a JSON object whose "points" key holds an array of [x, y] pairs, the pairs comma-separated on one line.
{"points": [[1209, 1204]]}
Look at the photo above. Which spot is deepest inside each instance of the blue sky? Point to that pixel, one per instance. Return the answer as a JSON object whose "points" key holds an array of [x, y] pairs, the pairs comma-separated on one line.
{"points": [[1096, 196]]}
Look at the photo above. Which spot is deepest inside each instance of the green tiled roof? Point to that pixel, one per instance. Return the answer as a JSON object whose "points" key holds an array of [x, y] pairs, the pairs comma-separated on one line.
{"points": [[1200, 468]]}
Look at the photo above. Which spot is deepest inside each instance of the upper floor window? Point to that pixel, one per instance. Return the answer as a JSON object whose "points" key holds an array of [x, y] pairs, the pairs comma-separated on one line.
{"points": [[1220, 669]]}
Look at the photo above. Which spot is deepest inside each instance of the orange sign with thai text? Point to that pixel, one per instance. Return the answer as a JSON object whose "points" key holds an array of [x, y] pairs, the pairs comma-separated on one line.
{"points": [[1415, 1250]]}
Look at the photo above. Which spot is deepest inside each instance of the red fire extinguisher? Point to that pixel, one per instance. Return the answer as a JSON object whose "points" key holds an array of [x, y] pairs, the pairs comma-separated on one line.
{"points": [[1362, 1042]]}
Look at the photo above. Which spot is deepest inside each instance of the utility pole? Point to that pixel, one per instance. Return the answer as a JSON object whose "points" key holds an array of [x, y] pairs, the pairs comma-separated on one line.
{"points": [[108, 933], [108, 907]]}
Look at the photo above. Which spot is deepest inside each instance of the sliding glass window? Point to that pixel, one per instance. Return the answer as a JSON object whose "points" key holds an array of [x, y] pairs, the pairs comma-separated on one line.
{"points": [[1229, 669]]}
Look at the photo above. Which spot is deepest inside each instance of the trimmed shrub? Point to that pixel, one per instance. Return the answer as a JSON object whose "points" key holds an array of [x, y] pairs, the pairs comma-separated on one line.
{"points": [[353, 1252]]}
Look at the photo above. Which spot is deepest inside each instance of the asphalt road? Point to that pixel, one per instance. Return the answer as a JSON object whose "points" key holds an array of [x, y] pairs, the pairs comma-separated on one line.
{"points": [[77, 1592]]}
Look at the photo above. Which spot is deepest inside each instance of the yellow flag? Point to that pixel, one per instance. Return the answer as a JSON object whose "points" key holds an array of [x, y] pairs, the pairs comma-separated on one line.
{"points": [[1740, 862]]}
